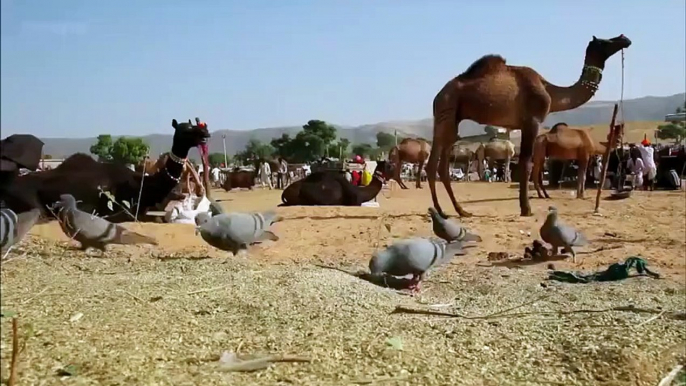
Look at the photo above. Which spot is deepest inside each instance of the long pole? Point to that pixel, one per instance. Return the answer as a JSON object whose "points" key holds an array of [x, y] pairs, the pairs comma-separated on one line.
{"points": [[226, 159], [396, 137], [606, 157]]}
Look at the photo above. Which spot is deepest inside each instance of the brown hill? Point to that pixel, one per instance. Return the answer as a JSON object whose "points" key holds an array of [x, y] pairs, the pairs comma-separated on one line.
{"points": [[643, 115]]}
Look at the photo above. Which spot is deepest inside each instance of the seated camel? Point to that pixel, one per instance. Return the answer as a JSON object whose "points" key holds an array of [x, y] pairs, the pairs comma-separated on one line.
{"points": [[565, 143], [496, 150], [108, 189], [331, 188], [190, 180]]}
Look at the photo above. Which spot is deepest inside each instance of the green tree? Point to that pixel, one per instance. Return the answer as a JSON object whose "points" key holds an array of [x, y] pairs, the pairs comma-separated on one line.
{"points": [[335, 149], [129, 150], [283, 146], [673, 130], [255, 150], [215, 159], [364, 149], [324, 131], [103, 147], [385, 140]]}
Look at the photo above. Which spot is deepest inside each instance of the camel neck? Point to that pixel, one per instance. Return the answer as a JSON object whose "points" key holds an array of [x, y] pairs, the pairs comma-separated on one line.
{"points": [[173, 166], [600, 147], [568, 98]]}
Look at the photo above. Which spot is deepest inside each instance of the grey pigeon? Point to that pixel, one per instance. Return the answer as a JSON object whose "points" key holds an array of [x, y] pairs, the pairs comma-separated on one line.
{"points": [[234, 232], [449, 230], [559, 235], [92, 231], [413, 257]]}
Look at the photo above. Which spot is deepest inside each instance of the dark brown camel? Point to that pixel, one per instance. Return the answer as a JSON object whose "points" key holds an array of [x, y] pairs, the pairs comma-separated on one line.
{"points": [[565, 143], [513, 97], [87, 180], [330, 188], [415, 151]]}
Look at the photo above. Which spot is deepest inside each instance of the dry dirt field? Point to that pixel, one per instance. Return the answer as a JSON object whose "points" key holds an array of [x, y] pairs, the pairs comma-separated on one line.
{"points": [[164, 315]]}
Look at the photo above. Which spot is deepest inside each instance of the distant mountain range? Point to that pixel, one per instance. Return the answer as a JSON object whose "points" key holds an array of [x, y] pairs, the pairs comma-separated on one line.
{"points": [[641, 109]]}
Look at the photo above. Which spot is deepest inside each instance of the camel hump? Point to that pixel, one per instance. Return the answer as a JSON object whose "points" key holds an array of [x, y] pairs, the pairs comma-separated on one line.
{"points": [[484, 65], [556, 126]]}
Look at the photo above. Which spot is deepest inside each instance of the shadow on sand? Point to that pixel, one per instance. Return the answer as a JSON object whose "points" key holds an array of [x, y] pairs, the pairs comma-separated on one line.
{"points": [[528, 262], [384, 281]]}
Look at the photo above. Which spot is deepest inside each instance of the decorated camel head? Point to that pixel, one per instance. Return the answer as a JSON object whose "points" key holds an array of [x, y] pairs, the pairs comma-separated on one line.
{"points": [[188, 135]]}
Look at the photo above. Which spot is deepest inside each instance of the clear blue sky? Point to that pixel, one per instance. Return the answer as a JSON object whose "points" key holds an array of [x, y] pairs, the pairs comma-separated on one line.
{"points": [[79, 68]]}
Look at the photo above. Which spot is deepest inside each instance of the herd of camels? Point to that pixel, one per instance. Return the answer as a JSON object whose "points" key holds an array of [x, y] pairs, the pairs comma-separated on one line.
{"points": [[491, 92]]}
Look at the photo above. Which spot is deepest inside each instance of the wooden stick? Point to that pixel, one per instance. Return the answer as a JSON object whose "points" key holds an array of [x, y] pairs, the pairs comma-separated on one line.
{"points": [[15, 354], [606, 158]]}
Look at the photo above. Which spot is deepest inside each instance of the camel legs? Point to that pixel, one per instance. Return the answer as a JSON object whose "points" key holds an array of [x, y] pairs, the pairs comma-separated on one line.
{"points": [[431, 169], [422, 161], [529, 133], [396, 175], [537, 173], [444, 172], [508, 178], [581, 177]]}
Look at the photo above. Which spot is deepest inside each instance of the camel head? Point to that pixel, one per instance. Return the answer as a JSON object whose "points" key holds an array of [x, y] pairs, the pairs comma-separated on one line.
{"points": [[187, 135], [599, 50]]}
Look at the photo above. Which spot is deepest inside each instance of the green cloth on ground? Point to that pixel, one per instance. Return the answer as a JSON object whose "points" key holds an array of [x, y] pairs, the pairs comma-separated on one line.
{"points": [[617, 271]]}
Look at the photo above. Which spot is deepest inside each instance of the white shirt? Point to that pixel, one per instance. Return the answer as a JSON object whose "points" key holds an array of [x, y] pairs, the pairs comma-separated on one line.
{"points": [[647, 154], [215, 174], [306, 169], [635, 167], [265, 170]]}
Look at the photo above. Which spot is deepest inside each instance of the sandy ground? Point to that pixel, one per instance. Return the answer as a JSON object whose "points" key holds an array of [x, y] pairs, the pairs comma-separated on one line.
{"points": [[163, 315]]}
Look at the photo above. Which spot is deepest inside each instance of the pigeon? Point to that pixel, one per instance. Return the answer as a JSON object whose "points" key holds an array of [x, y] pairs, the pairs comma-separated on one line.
{"points": [[449, 230], [93, 231], [560, 235], [234, 232], [13, 227], [413, 257]]}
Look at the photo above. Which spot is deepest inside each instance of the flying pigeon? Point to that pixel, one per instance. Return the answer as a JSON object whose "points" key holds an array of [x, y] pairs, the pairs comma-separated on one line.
{"points": [[93, 231], [449, 230], [234, 232], [560, 235], [413, 257]]}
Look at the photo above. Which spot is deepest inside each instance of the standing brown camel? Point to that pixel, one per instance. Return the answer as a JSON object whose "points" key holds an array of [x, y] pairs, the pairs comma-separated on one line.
{"points": [[412, 151], [565, 143], [464, 153], [513, 97], [496, 150]]}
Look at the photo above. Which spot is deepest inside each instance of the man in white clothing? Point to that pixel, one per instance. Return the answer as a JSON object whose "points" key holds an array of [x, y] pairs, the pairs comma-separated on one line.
{"points": [[636, 167], [266, 175], [650, 169]]}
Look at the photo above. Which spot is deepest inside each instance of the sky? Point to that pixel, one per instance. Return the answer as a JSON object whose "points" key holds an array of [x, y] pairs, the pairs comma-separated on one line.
{"points": [[78, 68]]}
